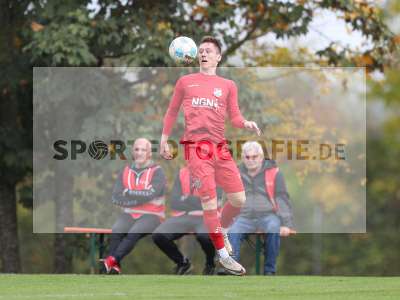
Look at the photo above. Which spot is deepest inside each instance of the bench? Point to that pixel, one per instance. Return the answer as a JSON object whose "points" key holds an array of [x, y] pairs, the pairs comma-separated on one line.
{"points": [[94, 243], [99, 244]]}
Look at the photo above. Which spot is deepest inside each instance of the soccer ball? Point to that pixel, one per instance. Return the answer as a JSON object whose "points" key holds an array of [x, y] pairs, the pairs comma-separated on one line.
{"points": [[183, 50]]}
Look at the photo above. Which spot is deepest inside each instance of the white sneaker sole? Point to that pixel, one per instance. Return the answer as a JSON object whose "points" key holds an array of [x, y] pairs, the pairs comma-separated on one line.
{"points": [[233, 272]]}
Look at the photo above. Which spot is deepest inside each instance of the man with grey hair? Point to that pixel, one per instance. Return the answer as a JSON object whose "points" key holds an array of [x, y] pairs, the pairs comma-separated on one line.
{"points": [[267, 208]]}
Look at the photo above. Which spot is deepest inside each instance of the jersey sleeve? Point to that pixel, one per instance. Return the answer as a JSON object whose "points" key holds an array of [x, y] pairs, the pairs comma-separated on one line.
{"points": [[173, 108], [235, 116]]}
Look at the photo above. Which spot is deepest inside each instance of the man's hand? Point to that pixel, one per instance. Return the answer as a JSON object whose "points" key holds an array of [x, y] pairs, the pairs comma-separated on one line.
{"points": [[252, 126], [165, 151], [286, 231]]}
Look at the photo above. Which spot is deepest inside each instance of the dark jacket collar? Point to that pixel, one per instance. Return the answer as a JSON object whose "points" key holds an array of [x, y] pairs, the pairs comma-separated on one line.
{"points": [[132, 166], [267, 164]]}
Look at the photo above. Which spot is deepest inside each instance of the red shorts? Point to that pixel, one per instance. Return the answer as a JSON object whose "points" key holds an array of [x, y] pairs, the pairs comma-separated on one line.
{"points": [[212, 165]]}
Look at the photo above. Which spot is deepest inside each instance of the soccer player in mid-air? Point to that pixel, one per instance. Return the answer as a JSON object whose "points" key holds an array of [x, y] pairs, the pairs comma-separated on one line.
{"points": [[207, 98]]}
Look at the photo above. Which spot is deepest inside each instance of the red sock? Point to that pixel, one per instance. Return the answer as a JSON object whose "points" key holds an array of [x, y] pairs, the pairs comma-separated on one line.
{"points": [[211, 221], [228, 213]]}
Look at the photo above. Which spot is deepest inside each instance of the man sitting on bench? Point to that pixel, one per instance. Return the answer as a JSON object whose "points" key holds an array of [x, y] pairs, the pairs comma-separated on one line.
{"points": [[139, 191], [267, 208], [187, 216]]}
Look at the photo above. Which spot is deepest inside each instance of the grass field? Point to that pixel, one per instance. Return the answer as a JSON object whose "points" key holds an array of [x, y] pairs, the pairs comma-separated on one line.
{"points": [[197, 287]]}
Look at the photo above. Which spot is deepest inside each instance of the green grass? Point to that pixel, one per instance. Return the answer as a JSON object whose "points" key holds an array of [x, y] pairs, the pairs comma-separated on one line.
{"points": [[196, 287]]}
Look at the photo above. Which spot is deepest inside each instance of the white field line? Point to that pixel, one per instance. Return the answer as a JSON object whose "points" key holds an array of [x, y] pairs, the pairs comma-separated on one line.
{"points": [[62, 295]]}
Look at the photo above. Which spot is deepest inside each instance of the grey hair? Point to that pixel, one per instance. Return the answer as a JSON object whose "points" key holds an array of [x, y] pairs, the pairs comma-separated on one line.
{"points": [[252, 145]]}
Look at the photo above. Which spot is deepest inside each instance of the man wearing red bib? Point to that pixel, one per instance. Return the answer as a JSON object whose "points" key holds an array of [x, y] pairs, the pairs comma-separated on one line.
{"points": [[140, 192], [207, 99], [187, 218]]}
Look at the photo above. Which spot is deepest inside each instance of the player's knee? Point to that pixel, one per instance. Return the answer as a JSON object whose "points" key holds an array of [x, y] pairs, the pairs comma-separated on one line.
{"points": [[237, 199], [209, 203]]}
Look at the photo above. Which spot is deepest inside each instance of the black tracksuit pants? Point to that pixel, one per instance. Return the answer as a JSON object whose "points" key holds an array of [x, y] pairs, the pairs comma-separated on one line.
{"points": [[127, 231], [175, 228]]}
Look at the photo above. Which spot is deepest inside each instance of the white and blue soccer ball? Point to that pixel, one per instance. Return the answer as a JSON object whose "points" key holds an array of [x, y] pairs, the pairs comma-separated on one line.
{"points": [[183, 50]]}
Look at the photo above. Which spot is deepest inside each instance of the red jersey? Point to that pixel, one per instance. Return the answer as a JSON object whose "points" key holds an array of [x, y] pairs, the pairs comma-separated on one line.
{"points": [[206, 99]]}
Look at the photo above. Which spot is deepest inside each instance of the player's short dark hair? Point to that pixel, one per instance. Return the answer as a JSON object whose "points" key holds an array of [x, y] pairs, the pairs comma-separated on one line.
{"points": [[212, 40]]}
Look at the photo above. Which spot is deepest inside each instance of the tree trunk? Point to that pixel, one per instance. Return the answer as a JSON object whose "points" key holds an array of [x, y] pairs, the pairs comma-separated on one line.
{"points": [[64, 217], [10, 258], [12, 66], [62, 254]]}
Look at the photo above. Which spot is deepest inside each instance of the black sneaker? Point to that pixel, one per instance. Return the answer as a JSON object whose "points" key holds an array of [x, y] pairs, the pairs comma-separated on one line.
{"points": [[184, 269], [209, 270]]}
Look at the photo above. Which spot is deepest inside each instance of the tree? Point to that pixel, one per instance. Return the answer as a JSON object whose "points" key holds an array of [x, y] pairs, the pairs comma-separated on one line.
{"points": [[71, 34], [15, 128]]}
